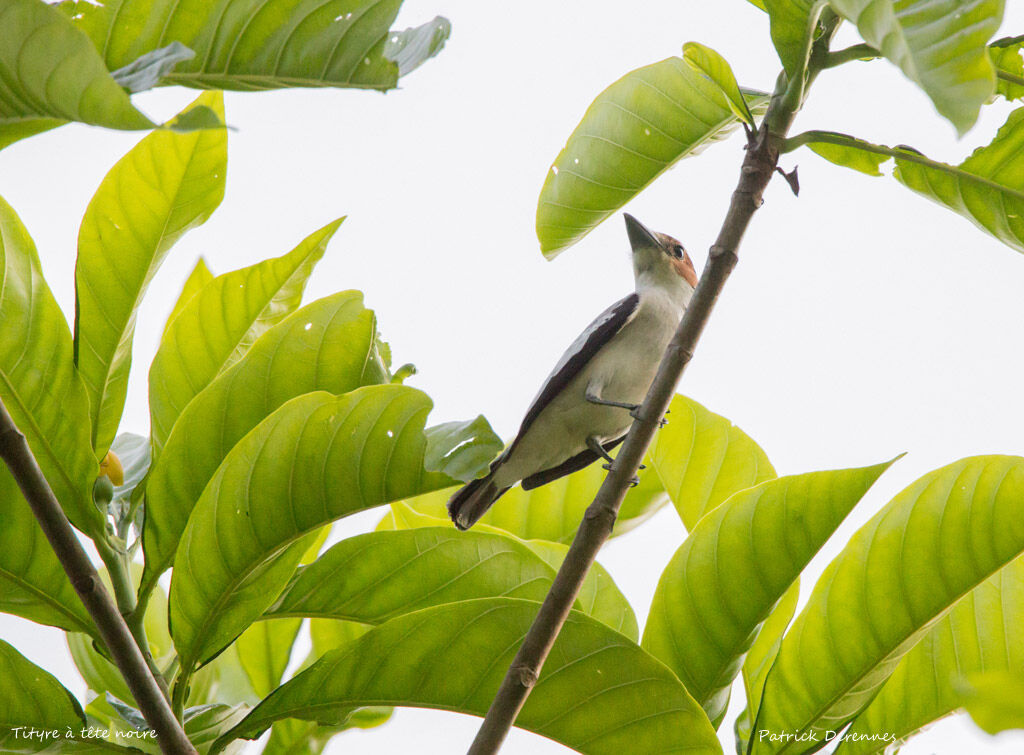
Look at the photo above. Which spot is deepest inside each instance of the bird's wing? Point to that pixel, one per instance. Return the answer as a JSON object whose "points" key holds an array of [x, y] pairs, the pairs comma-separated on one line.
{"points": [[575, 463], [581, 351]]}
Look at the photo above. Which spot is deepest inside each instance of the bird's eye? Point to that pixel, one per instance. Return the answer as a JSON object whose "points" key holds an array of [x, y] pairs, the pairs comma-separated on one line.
{"points": [[677, 252]]}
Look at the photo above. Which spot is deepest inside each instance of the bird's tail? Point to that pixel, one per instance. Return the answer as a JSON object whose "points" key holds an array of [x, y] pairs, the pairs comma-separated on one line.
{"points": [[472, 500]]}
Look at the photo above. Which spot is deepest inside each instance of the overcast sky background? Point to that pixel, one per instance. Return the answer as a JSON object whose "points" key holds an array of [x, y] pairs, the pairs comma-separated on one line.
{"points": [[861, 322]]}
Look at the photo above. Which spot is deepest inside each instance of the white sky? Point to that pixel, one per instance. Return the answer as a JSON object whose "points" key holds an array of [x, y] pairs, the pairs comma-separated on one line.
{"points": [[862, 321]]}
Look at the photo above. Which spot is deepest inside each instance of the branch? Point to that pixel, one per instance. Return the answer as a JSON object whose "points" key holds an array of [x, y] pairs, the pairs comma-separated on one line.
{"points": [[757, 170], [116, 636]]}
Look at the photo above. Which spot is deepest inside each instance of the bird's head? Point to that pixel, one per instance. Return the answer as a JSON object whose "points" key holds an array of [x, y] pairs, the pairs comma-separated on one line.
{"points": [[658, 257]]}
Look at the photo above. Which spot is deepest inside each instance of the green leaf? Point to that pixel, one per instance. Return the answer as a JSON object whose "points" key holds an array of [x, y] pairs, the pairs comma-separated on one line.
{"points": [[219, 324], [196, 280], [146, 71], [793, 23], [50, 74], [460, 461], [737, 563], [32, 697], [941, 46], [328, 345], [166, 185], [984, 632], [634, 131], [599, 596], [264, 650], [759, 661], [932, 544], [33, 584], [850, 157], [715, 68], [288, 43], [995, 700], [454, 656], [757, 3], [987, 188], [374, 577], [245, 536], [1005, 55], [204, 724], [553, 512], [52, 413], [702, 458]]}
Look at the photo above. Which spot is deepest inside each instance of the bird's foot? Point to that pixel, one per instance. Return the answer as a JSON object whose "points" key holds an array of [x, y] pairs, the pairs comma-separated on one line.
{"points": [[635, 414], [633, 481]]}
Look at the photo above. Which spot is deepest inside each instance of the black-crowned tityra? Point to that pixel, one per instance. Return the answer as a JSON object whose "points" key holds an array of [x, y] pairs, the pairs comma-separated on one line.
{"points": [[587, 403]]}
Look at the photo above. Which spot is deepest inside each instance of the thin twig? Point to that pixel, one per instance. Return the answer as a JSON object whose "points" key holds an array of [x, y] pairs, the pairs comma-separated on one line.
{"points": [[114, 632], [757, 170]]}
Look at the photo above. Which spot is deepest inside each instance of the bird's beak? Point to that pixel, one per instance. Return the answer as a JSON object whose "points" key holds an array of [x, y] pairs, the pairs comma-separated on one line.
{"points": [[639, 236]]}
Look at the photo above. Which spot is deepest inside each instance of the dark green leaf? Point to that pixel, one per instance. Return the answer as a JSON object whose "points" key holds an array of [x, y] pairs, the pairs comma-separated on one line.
{"points": [[454, 656], [316, 459], [702, 459], [32, 698], [219, 324], [939, 45], [166, 185], [793, 23], [53, 414], [287, 43], [51, 74], [634, 131], [932, 544], [737, 563], [327, 345]]}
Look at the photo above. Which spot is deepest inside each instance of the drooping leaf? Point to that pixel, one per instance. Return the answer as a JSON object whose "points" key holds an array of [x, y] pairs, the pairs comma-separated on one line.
{"points": [[32, 698], [941, 46], [633, 131], [553, 512], [759, 661], [983, 633], [247, 46], [264, 650], [166, 185], [987, 188], [737, 563], [219, 324], [316, 459], [850, 157], [198, 278], [459, 462], [716, 69], [1005, 54], [454, 656], [327, 345], [50, 73], [995, 700], [599, 596], [33, 584], [932, 544], [702, 459], [52, 413]]}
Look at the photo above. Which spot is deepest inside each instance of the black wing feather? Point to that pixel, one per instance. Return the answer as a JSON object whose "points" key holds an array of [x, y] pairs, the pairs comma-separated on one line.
{"points": [[597, 334], [573, 464]]}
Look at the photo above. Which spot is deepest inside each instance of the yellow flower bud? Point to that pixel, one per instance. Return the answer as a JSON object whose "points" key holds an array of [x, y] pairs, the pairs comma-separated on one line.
{"points": [[111, 467]]}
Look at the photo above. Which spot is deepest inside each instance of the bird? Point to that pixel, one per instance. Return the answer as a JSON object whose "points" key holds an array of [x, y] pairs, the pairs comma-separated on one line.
{"points": [[588, 402]]}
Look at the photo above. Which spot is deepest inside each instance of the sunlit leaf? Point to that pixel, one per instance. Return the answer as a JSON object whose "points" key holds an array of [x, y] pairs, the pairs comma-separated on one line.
{"points": [[198, 278], [317, 458], [1005, 54], [983, 633], [32, 698], [279, 43], [716, 69], [51, 74], [702, 459], [454, 656], [166, 185], [328, 345], [933, 543], [939, 45], [995, 700], [737, 563], [219, 324], [264, 650], [633, 131], [33, 584], [793, 23], [39, 384]]}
